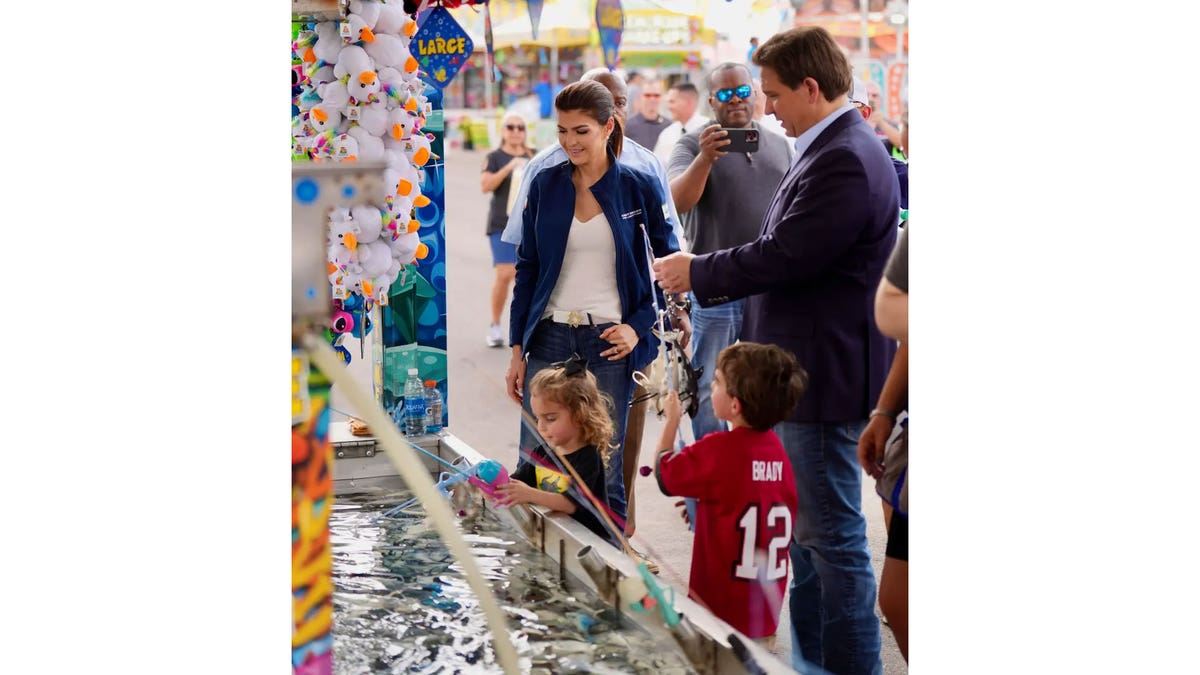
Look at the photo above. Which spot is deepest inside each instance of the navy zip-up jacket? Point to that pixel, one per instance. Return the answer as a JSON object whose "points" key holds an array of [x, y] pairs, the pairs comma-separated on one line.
{"points": [[628, 199]]}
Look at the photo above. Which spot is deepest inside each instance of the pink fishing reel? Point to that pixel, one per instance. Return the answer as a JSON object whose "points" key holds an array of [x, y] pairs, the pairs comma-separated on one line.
{"points": [[489, 475]]}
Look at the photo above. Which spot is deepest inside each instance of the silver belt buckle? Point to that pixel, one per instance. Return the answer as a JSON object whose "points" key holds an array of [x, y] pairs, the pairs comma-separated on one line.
{"points": [[574, 319]]}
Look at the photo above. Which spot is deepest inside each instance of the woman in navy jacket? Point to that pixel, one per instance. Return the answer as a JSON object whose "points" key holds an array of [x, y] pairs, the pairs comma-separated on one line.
{"points": [[583, 280]]}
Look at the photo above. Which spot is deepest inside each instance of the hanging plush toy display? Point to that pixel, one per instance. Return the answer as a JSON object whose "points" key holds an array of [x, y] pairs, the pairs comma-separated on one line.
{"points": [[360, 99]]}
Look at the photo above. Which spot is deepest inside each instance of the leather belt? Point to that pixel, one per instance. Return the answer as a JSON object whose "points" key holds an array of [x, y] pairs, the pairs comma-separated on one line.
{"points": [[576, 319]]}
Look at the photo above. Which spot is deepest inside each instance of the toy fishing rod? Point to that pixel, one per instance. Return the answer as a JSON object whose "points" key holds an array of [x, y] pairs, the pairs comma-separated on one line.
{"points": [[679, 376], [645, 587], [414, 473], [489, 475], [486, 475], [529, 423], [743, 654]]}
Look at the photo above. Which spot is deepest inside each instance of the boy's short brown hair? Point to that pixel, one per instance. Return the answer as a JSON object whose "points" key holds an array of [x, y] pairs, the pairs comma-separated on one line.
{"points": [[766, 379], [807, 51]]}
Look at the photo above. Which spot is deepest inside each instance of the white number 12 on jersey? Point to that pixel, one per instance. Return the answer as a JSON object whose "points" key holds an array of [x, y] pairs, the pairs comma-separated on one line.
{"points": [[777, 559]]}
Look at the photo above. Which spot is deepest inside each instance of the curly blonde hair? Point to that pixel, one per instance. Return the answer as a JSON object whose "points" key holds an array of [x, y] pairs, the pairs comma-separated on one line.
{"points": [[579, 394]]}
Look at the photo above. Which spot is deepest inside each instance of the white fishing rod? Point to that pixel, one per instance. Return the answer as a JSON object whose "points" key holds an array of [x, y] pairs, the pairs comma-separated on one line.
{"points": [[671, 378], [412, 470]]}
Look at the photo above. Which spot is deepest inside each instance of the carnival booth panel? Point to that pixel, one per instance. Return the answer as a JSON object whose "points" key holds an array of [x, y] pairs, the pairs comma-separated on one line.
{"points": [[668, 38]]}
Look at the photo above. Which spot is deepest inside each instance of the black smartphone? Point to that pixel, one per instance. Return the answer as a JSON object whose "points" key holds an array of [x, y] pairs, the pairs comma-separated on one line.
{"points": [[741, 140]]}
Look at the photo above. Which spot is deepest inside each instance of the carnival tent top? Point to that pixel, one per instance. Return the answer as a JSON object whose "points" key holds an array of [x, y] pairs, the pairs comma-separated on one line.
{"points": [[563, 24]]}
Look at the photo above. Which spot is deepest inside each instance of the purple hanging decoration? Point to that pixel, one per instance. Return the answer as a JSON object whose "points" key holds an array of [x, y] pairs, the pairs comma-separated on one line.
{"points": [[487, 40], [610, 21], [535, 15]]}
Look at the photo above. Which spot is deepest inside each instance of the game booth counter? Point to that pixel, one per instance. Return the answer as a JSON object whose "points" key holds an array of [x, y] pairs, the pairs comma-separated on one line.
{"points": [[400, 560]]}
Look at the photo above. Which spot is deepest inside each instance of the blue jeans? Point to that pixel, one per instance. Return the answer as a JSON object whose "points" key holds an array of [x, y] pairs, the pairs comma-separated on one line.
{"points": [[713, 329], [552, 342], [832, 594]]}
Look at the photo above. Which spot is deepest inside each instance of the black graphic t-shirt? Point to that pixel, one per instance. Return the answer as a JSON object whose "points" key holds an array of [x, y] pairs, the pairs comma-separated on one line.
{"points": [[542, 472], [497, 214]]}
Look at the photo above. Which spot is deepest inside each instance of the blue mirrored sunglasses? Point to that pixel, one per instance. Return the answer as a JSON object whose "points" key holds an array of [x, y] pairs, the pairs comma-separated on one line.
{"points": [[743, 92]]}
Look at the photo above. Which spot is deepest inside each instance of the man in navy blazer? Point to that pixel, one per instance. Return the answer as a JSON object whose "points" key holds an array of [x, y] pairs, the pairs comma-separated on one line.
{"points": [[810, 281]]}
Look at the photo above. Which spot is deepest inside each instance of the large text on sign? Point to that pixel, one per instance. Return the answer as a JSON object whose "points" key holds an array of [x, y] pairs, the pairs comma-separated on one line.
{"points": [[441, 46]]}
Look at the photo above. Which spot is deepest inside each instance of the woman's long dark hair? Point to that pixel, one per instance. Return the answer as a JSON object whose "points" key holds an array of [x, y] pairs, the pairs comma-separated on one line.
{"points": [[596, 100]]}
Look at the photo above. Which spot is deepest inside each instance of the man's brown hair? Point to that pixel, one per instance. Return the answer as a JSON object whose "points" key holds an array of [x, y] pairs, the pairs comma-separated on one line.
{"points": [[807, 51], [765, 378]]}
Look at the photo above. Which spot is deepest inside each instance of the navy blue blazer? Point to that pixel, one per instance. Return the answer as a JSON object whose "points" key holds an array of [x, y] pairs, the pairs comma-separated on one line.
{"points": [[628, 198], [812, 274]]}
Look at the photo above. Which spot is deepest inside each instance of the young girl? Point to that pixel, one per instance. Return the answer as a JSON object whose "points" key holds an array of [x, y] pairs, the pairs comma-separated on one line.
{"points": [[572, 415]]}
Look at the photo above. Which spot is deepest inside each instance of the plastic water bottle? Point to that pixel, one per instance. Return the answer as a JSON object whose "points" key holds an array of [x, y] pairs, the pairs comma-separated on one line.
{"points": [[414, 405], [433, 407]]}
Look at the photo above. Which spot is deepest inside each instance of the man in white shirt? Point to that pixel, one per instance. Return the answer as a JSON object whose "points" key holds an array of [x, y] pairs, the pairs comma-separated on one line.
{"points": [[683, 103]]}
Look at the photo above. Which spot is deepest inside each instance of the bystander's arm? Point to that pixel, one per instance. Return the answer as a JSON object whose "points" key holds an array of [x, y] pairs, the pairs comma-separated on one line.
{"points": [[891, 311], [687, 187], [892, 133], [892, 401], [891, 300], [490, 180]]}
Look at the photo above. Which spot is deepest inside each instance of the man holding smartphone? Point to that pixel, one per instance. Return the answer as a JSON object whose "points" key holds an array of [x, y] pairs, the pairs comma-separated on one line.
{"points": [[722, 196]]}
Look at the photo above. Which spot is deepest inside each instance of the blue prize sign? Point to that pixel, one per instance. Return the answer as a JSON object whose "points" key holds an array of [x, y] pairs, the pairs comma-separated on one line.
{"points": [[610, 21], [441, 46]]}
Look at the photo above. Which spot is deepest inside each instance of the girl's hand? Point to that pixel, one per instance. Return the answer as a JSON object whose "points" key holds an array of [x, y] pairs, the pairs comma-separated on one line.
{"points": [[514, 492], [622, 338]]}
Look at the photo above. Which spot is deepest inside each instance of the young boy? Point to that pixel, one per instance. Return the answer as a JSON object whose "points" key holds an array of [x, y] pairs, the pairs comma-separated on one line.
{"points": [[744, 485]]}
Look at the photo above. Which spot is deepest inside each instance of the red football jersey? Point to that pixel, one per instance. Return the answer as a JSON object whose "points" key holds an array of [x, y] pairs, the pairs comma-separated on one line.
{"points": [[746, 504]]}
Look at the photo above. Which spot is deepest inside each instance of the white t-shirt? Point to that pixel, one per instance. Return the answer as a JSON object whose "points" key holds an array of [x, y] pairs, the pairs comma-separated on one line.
{"points": [[669, 136], [587, 281], [771, 123]]}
